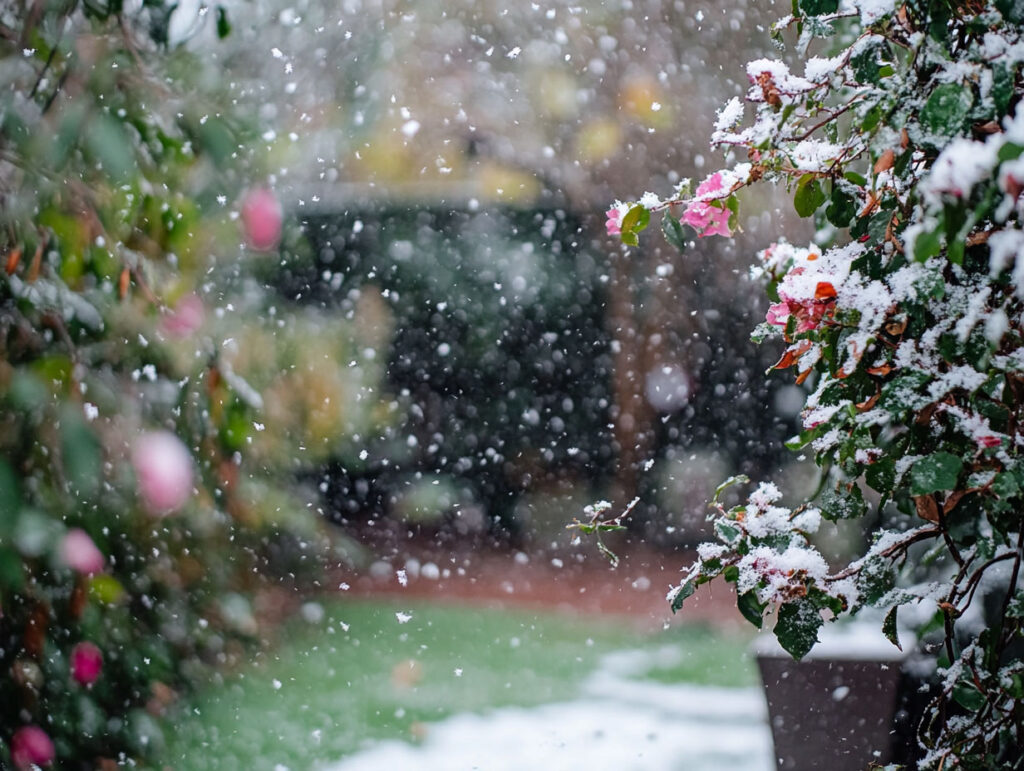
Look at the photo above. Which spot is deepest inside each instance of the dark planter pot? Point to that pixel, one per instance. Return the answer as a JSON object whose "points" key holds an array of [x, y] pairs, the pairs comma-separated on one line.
{"points": [[843, 707]]}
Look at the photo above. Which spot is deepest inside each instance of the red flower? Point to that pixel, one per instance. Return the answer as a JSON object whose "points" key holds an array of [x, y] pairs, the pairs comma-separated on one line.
{"points": [[808, 311], [30, 746], [86, 663]]}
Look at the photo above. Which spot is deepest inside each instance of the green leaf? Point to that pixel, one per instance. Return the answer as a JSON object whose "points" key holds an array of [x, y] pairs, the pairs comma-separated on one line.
{"points": [[1002, 86], [37, 533], [844, 501], [881, 475], [1015, 687], [856, 178], [865, 65], [1009, 152], [809, 196], [105, 589], [732, 203], [734, 480], [751, 608], [10, 500], [216, 138], [1012, 10], [731, 573], [871, 119], [945, 111], [955, 250], [878, 226], [12, 572], [223, 25], [876, 578], [938, 27], [726, 532], [797, 627], [108, 143], [927, 244], [825, 601], [967, 696], [673, 231], [686, 590], [612, 557], [903, 392], [636, 219], [818, 7], [80, 451], [935, 472], [841, 208], [1005, 485], [27, 391], [889, 627]]}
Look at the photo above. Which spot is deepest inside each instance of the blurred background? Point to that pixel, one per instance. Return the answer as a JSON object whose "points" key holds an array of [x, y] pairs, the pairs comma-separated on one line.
{"points": [[448, 166], [398, 395]]}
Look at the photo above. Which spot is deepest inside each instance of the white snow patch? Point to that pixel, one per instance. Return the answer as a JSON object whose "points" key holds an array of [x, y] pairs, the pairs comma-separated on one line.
{"points": [[618, 723]]}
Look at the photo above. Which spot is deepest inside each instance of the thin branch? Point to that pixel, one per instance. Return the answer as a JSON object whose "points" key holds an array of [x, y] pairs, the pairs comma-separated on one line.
{"points": [[831, 117], [892, 552], [1012, 588], [975, 580], [130, 43]]}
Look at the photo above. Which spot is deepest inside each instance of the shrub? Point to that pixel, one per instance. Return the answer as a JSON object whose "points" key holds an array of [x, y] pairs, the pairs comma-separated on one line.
{"points": [[142, 492], [904, 143]]}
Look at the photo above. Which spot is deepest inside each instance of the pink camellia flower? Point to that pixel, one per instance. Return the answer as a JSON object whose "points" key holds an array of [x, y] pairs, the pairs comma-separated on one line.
{"points": [[808, 310], [30, 746], [86, 663], [615, 216], [78, 552], [706, 219], [186, 318], [262, 218], [614, 223], [163, 468], [778, 314]]}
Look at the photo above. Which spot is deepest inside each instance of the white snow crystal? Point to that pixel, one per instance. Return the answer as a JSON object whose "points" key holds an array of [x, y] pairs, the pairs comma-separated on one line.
{"points": [[959, 167], [729, 115]]}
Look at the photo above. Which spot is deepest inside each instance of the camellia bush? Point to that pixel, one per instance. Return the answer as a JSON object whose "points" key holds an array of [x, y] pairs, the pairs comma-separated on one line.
{"points": [[896, 126], [153, 474]]}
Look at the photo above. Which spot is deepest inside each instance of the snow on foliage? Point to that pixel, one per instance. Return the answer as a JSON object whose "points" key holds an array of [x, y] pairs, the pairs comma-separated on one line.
{"points": [[903, 141]]}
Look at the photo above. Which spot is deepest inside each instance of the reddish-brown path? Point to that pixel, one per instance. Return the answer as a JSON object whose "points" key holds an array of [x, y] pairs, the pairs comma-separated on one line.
{"points": [[577, 584]]}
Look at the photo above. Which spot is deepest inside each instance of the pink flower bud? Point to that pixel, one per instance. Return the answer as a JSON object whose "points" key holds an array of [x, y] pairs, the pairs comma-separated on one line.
{"points": [[163, 469], [31, 746], [86, 663], [614, 223], [186, 318], [78, 552], [615, 215], [261, 219]]}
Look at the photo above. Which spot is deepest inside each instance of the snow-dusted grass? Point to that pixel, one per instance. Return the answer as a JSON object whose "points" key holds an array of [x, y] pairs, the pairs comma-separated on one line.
{"points": [[463, 688], [618, 722]]}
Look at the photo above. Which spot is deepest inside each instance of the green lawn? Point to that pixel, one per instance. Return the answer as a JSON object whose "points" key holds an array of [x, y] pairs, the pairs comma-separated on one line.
{"points": [[362, 675]]}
